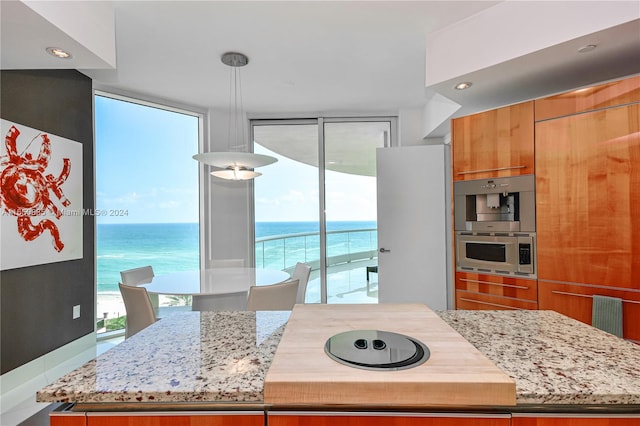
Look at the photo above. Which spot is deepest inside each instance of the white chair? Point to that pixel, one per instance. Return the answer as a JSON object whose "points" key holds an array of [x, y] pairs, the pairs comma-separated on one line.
{"points": [[139, 310], [219, 302], [227, 263], [301, 273], [275, 297], [137, 276]]}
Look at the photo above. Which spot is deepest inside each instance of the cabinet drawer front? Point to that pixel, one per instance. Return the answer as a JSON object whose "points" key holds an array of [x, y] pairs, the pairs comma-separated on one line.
{"points": [[597, 97], [575, 420], [498, 285], [479, 301], [388, 419], [575, 301]]}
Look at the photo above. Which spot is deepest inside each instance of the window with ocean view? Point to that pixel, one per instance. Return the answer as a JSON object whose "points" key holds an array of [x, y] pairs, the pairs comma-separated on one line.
{"points": [[343, 184], [145, 173]]}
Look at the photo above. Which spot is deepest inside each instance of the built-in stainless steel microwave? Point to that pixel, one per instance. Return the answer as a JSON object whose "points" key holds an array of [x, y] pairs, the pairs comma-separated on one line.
{"points": [[512, 254]]}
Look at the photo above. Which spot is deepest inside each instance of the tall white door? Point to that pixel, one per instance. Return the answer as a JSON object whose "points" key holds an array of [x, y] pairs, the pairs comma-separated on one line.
{"points": [[412, 225]]}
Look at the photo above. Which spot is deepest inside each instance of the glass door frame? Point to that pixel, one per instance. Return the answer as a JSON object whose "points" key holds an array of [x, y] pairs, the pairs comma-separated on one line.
{"points": [[390, 141]]}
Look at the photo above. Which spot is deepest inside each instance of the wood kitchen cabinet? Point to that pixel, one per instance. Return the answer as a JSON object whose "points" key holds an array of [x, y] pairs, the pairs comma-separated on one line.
{"points": [[588, 198], [387, 419], [176, 419], [496, 143], [575, 420], [484, 291], [602, 96], [575, 301]]}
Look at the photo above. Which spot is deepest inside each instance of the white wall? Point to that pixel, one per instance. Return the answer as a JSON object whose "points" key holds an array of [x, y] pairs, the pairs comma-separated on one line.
{"points": [[227, 220]]}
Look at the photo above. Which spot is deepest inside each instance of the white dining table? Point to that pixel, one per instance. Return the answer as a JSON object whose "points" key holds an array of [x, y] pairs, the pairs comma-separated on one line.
{"points": [[214, 281]]}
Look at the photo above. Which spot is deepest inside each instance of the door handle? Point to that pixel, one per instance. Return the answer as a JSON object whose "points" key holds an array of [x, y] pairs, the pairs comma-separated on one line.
{"points": [[384, 250]]}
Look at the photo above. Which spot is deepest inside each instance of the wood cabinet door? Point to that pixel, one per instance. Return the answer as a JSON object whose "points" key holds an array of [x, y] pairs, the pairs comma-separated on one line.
{"points": [[175, 419], [576, 420], [576, 301], [387, 419], [588, 198], [67, 418], [606, 95], [496, 143]]}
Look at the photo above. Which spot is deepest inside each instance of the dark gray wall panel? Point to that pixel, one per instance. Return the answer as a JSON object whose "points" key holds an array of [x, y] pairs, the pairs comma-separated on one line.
{"points": [[37, 302]]}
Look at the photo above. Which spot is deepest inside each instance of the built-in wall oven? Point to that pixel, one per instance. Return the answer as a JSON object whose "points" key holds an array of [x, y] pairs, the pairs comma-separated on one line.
{"points": [[496, 253], [495, 225]]}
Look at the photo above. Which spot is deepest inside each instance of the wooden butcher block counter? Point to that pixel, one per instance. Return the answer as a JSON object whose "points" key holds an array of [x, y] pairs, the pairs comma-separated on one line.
{"points": [[456, 374]]}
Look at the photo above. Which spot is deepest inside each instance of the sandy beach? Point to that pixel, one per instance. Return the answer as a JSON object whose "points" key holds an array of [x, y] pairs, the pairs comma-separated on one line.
{"points": [[110, 305]]}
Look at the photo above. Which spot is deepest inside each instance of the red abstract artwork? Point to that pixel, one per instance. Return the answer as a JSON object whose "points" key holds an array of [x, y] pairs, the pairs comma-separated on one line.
{"points": [[28, 192], [41, 203]]}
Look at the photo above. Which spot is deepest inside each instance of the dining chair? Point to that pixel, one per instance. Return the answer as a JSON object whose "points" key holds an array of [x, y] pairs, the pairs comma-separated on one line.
{"points": [[227, 263], [141, 275], [219, 302], [137, 304], [275, 297], [301, 273], [137, 276]]}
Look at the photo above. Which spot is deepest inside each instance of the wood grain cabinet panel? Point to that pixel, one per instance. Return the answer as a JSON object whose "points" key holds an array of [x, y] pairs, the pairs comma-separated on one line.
{"points": [[494, 143], [588, 198], [589, 99], [67, 419], [577, 420], [479, 301], [498, 285], [576, 301], [175, 419], [387, 419]]}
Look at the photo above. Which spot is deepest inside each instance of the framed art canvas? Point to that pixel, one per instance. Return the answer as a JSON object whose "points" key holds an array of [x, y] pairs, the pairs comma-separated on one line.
{"points": [[41, 197]]}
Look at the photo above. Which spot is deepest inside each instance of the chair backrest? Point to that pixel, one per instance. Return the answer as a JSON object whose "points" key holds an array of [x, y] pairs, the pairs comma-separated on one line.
{"points": [[275, 297], [301, 273], [137, 276], [139, 310], [227, 263]]}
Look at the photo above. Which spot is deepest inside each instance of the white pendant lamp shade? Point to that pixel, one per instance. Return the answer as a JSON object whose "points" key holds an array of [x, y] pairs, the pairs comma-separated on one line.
{"points": [[235, 173], [223, 160], [236, 165]]}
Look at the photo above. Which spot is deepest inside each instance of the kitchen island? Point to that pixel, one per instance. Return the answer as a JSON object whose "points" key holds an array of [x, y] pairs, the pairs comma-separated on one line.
{"points": [[215, 363]]}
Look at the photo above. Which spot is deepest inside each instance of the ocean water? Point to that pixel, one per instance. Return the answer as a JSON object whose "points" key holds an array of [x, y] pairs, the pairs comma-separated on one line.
{"points": [[174, 247]]}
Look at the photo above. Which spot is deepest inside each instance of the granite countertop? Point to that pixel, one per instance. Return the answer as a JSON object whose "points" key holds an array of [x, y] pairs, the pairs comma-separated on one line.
{"points": [[218, 357], [185, 357], [553, 359]]}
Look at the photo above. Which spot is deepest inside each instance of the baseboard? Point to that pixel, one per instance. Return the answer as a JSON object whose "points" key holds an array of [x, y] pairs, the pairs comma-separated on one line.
{"points": [[22, 383]]}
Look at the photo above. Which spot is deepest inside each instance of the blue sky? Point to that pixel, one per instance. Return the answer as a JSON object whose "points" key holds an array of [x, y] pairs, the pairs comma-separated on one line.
{"points": [[143, 163], [145, 173]]}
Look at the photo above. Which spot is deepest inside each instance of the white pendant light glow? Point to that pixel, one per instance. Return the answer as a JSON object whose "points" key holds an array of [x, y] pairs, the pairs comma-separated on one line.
{"points": [[236, 165]]}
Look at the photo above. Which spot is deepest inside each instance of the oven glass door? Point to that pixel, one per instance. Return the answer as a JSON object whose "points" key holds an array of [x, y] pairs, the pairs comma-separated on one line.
{"points": [[486, 252]]}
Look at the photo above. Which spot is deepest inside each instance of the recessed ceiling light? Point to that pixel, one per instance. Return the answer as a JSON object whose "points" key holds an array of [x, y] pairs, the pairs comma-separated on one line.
{"points": [[462, 86], [587, 48], [59, 53]]}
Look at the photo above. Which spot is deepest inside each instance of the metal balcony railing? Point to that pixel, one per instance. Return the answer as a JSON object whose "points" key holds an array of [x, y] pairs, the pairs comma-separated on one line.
{"points": [[343, 246]]}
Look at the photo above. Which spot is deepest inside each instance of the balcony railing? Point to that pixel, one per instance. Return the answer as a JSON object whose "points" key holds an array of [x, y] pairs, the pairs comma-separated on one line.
{"points": [[343, 246]]}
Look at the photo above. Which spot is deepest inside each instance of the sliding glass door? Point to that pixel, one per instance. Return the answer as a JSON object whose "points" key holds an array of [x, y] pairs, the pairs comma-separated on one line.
{"points": [[351, 208], [317, 204]]}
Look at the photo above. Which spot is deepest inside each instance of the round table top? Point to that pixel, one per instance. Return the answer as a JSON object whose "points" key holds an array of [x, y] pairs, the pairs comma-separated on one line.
{"points": [[214, 281]]}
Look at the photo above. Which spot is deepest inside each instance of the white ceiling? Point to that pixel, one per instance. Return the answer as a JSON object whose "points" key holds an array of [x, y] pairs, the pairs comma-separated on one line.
{"points": [[306, 57]]}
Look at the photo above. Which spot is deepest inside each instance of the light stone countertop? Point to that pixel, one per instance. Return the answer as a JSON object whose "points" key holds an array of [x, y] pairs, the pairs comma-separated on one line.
{"points": [[554, 359], [223, 357], [185, 357]]}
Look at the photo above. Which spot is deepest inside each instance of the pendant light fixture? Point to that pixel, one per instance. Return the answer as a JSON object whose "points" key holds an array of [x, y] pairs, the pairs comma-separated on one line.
{"points": [[236, 164]]}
